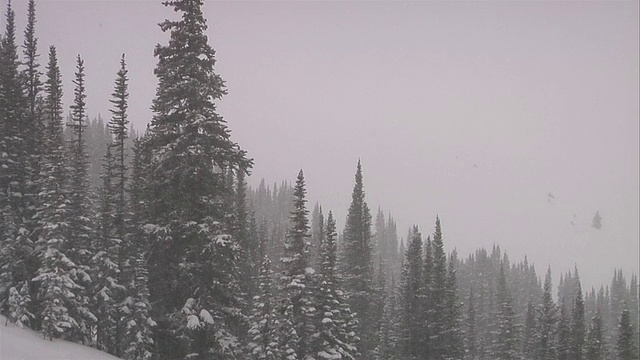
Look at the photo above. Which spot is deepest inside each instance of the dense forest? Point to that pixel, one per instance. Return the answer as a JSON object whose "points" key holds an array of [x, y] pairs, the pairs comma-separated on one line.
{"points": [[152, 245]]}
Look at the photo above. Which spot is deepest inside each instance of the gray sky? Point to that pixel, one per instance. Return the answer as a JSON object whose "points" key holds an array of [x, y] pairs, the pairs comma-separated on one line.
{"points": [[471, 110]]}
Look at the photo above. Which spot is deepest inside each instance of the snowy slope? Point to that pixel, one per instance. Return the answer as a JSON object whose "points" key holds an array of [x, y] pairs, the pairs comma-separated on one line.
{"points": [[24, 344]]}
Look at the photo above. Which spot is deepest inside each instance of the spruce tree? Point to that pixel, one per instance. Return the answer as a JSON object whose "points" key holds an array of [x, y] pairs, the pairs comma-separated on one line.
{"points": [[357, 263], [262, 335], [626, 345], [595, 347], [471, 338], [193, 263], [412, 298], [438, 295], [578, 330], [564, 333], [506, 343], [138, 335], [15, 242], [337, 336], [453, 330], [546, 323], [81, 232], [296, 281]]}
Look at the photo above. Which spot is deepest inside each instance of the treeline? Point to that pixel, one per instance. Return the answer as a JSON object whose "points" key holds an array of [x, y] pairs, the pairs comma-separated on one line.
{"points": [[152, 246]]}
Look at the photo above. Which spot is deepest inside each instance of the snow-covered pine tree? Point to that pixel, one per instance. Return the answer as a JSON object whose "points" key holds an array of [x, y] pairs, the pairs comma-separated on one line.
{"points": [[412, 299], [105, 270], [546, 323], [389, 333], [471, 338], [527, 340], [337, 339], [15, 243], [595, 346], [438, 296], [506, 340], [193, 261], [56, 285], [357, 266], [454, 333], [626, 348], [262, 335], [578, 329], [564, 333], [296, 281], [138, 335], [80, 230]]}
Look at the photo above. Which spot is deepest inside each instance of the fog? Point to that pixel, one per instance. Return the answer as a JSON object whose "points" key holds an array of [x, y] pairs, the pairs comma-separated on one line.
{"points": [[513, 121]]}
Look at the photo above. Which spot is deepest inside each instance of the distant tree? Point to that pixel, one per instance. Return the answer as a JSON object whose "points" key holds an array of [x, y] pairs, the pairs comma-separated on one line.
{"points": [[546, 323], [506, 345], [626, 346], [337, 333], [597, 221], [296, 281], [262, 336], [528, 340], [357, 265], [412, 299], [564, 334], [595, 347], [578, 329]]}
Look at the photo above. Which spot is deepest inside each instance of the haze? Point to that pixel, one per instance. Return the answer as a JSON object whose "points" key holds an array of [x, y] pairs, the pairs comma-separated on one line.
{"points": [[476, 111]]}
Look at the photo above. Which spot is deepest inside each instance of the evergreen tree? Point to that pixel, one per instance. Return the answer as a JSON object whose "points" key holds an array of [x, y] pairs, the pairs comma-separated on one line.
{"points": [[263, 340], [412, 298], [472, 332], [595, 349], [80, 212], [546, 323], [626, 346], [564, 334], [193, 263], [438, 296], [506, 345], [453, 330], [56, 286], [297, 278], [337, 334], [578, 330], [138, 336], [528, 339], [357, 262], [15, 243]]}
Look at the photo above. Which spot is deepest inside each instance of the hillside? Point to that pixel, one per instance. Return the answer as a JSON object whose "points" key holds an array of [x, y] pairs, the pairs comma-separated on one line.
{"points": [[24, 344]]}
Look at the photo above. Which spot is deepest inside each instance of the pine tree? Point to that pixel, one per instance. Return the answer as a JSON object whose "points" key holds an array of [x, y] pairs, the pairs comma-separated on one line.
{"points": [[438, 295], [80, 212], [337, 335], [595, 349], [412, 298], [528, 338], [297, 278], [56, 286], [626, 345], [357, 263], [389, 333], [453, 329], [472, 332], [506, 345], [15, 243], [546, 323], [578, 330], [263, 340], [138, 336], [564, 334], [193, 263]]}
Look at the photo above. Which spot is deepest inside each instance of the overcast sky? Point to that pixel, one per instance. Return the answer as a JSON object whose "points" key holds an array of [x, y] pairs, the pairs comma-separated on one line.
{"points": [[475, 111]]}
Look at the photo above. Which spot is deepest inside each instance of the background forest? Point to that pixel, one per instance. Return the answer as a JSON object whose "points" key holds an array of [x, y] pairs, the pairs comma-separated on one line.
{"points": [[151, 245]]}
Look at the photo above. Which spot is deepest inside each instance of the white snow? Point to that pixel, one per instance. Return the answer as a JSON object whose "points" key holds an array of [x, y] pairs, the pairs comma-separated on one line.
{"points": [[25, 344]]}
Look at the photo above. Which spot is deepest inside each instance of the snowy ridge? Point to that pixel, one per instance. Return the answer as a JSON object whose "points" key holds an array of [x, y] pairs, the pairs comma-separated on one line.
{"points": [[25, 344]]}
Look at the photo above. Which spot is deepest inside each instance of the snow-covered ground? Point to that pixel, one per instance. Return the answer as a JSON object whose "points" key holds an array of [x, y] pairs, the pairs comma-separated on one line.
{"points": [[24, 344]]}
